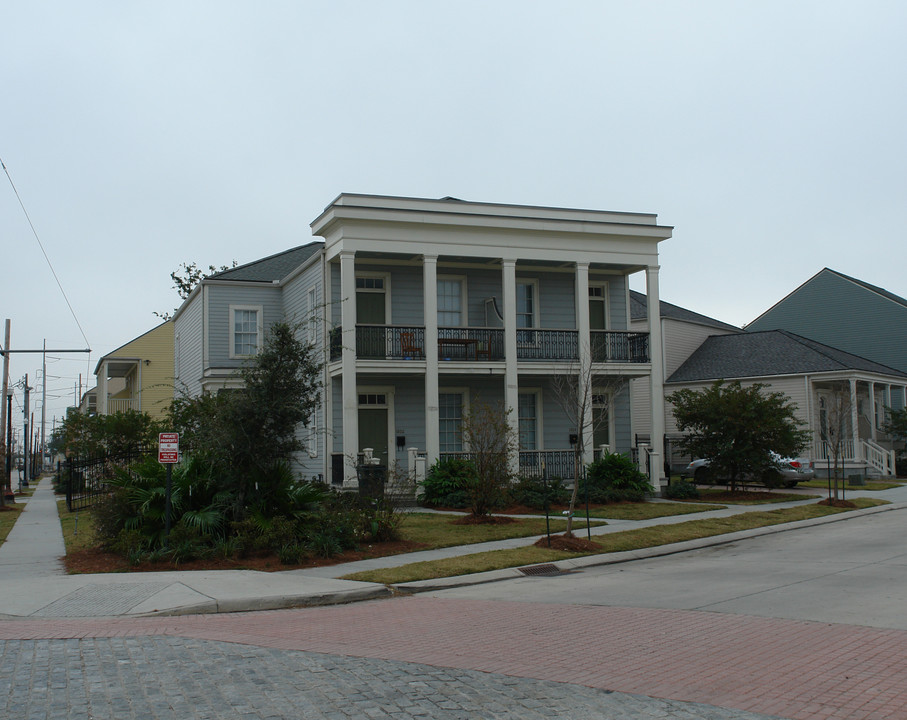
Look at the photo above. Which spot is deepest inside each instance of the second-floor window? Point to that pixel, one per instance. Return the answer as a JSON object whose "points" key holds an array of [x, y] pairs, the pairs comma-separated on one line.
{"points": [[525, 303], [245, 330], [450, 302]]}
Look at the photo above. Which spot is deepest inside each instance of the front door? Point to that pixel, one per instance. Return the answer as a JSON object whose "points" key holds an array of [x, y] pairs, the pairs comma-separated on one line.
{"points": [[370, 312], [373, 432], [598, 321]]}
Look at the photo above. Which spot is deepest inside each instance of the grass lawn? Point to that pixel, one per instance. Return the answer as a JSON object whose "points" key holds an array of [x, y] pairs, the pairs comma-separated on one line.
{"points": [[644, 510], [869, 485], [436, 530], [614, 542], [78, 528], [7, 519], [748, 497]]}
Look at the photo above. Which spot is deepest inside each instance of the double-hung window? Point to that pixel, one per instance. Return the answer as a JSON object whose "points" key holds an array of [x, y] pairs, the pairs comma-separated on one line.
{"points": [[526, 309], [528, 413], [245, 330], [450, 302], [450, 405]]}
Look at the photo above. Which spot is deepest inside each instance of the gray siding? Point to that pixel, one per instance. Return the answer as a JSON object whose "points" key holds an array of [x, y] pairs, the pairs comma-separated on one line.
{"points": [[190, 363], [219, 300], [617, 300], [835, 311]]}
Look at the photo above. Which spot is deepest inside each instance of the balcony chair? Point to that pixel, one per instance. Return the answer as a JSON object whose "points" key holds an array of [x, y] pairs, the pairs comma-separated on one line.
{"points": [[408, 346]]}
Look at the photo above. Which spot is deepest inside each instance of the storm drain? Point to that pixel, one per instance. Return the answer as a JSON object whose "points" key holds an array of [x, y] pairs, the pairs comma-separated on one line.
{"points": [[546, 569]]}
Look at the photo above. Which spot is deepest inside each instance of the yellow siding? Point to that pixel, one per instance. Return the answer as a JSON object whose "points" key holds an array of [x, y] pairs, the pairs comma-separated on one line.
{"points": [[154, 376]]}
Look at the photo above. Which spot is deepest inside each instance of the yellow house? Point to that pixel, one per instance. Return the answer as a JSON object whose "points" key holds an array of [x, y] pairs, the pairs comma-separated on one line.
{"points": [[138, 375]]}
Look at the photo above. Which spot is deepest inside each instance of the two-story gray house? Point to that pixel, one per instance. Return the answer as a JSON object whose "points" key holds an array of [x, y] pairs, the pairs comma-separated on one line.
{"points": [[422, 307]]}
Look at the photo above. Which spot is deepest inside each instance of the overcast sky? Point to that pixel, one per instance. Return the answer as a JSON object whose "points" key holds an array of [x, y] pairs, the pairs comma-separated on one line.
{"points": [[771, 135]]}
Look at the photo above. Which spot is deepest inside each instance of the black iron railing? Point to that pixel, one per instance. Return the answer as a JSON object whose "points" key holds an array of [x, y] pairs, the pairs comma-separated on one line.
{"points": [[533, 463], [535, 344], [463, 343], [610, 346], [400, 342], [85, 478]]}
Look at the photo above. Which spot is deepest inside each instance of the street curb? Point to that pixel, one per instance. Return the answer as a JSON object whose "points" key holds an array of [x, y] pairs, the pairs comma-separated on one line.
{"points": [[419, 586]]}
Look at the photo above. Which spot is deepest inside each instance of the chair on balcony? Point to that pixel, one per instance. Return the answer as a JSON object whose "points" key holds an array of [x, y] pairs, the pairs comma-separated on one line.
{"points": [[483, 349], [409, 347]]}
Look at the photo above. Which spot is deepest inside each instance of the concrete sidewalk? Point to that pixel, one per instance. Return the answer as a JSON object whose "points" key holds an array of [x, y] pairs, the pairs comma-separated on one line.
{"points": [[33, 582]]}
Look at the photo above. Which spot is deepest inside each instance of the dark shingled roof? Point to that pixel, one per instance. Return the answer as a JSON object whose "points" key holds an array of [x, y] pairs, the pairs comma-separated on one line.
{"points": [[274, 267], [639, 310], [772, 352]]}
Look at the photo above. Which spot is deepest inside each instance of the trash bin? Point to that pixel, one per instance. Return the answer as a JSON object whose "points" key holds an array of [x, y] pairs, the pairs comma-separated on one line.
{"points": [[371, 480]]}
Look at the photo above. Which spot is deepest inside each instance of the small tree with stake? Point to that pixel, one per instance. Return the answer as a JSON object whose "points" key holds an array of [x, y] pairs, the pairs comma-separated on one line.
{"points": [[491, 441], [737, 428]]}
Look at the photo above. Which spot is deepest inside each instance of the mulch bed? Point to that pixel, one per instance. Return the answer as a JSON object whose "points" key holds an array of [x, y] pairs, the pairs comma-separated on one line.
{"points": [[95, 560], [571, 544], [837, 503]]}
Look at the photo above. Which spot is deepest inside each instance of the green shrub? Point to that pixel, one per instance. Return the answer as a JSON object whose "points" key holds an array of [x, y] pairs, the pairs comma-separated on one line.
{"points": [[446, 482], [534, 492], [614, 478], [681, 490]]}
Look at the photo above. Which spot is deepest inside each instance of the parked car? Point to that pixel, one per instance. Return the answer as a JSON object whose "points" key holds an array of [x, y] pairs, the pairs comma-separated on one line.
{"points": [[789, 471]]}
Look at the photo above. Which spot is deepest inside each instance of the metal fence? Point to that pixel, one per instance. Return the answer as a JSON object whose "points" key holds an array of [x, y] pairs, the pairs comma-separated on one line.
{"points": [[85, 479]]}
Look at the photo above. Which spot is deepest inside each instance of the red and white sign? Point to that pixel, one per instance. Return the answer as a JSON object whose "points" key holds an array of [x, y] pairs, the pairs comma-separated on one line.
{"points": [[168, 448]]}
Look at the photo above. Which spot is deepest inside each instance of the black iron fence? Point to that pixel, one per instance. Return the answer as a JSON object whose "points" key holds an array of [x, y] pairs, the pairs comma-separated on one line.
{"points": [[85, 479], [400, 342]]}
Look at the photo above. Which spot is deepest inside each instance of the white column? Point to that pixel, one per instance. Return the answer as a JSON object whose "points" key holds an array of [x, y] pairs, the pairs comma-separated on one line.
{"points": [[584, 348], [430, 308], [854, 419], [511, 371], [348, 367], [656, 378], [102, 389], [872, 411]]}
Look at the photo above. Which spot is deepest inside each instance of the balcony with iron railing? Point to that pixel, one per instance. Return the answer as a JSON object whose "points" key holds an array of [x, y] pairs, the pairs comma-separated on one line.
{"points": [[400, 342]]}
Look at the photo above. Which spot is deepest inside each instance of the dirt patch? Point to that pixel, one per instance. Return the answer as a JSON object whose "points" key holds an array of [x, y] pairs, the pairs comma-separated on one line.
{"points": [[569, 544], [483, 520], [95, 560], [837, 503]]}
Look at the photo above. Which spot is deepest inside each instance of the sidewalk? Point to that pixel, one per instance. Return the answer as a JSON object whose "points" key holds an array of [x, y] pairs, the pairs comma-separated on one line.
{"points": [[33, 582]]}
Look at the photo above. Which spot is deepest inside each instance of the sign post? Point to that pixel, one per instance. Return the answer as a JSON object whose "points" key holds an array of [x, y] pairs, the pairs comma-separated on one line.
{"points": [[168, 452]]}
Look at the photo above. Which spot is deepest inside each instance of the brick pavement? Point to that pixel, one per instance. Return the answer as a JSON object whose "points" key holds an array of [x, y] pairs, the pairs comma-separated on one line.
{"points": [[788, 668]]}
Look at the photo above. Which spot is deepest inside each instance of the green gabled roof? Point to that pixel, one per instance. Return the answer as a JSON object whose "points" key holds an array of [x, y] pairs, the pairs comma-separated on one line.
{"points": [[272, 268], [766, 353]]}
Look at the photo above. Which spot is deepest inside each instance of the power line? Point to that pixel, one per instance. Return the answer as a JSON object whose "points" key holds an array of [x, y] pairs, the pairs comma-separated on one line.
{"points": [[44, 252]]}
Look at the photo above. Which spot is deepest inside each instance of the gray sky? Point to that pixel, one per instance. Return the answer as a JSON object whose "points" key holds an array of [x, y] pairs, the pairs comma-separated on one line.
{"points": [[771, 135]]}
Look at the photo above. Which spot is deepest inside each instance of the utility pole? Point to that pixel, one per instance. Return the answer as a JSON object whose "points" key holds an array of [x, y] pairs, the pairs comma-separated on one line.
{"points": [[6, 419], [43, 401], [25, 435]]}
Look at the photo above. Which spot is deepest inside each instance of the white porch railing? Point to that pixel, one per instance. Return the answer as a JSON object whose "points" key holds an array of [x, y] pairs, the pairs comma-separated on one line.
{"points": [[879, 458], [115, 405]]}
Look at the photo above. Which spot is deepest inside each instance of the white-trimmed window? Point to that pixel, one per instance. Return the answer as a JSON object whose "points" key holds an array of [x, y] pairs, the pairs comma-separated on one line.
{"points": [[245, 330], [529, 419], [452, 408], [312, 439], [602, 424], [451, 301], [598, 306], [527, 300]]}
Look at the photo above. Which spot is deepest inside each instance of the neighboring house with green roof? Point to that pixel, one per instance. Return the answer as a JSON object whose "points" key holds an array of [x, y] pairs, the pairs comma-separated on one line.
{"points": [[846, 313], [817, 378]]}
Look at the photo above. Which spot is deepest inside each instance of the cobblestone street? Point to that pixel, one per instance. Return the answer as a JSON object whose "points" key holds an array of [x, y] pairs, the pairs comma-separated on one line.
{"points": [[450, 658]]}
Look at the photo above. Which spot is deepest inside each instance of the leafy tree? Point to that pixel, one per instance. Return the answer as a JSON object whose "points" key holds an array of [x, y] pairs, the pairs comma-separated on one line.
{"points": [[737, 428], [246, 433], [186, 277], [83, 433]]}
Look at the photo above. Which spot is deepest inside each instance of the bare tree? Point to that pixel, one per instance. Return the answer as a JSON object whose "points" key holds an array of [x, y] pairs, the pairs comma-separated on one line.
{"points": [[835, 411], [585, 399], [491, 441]]}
